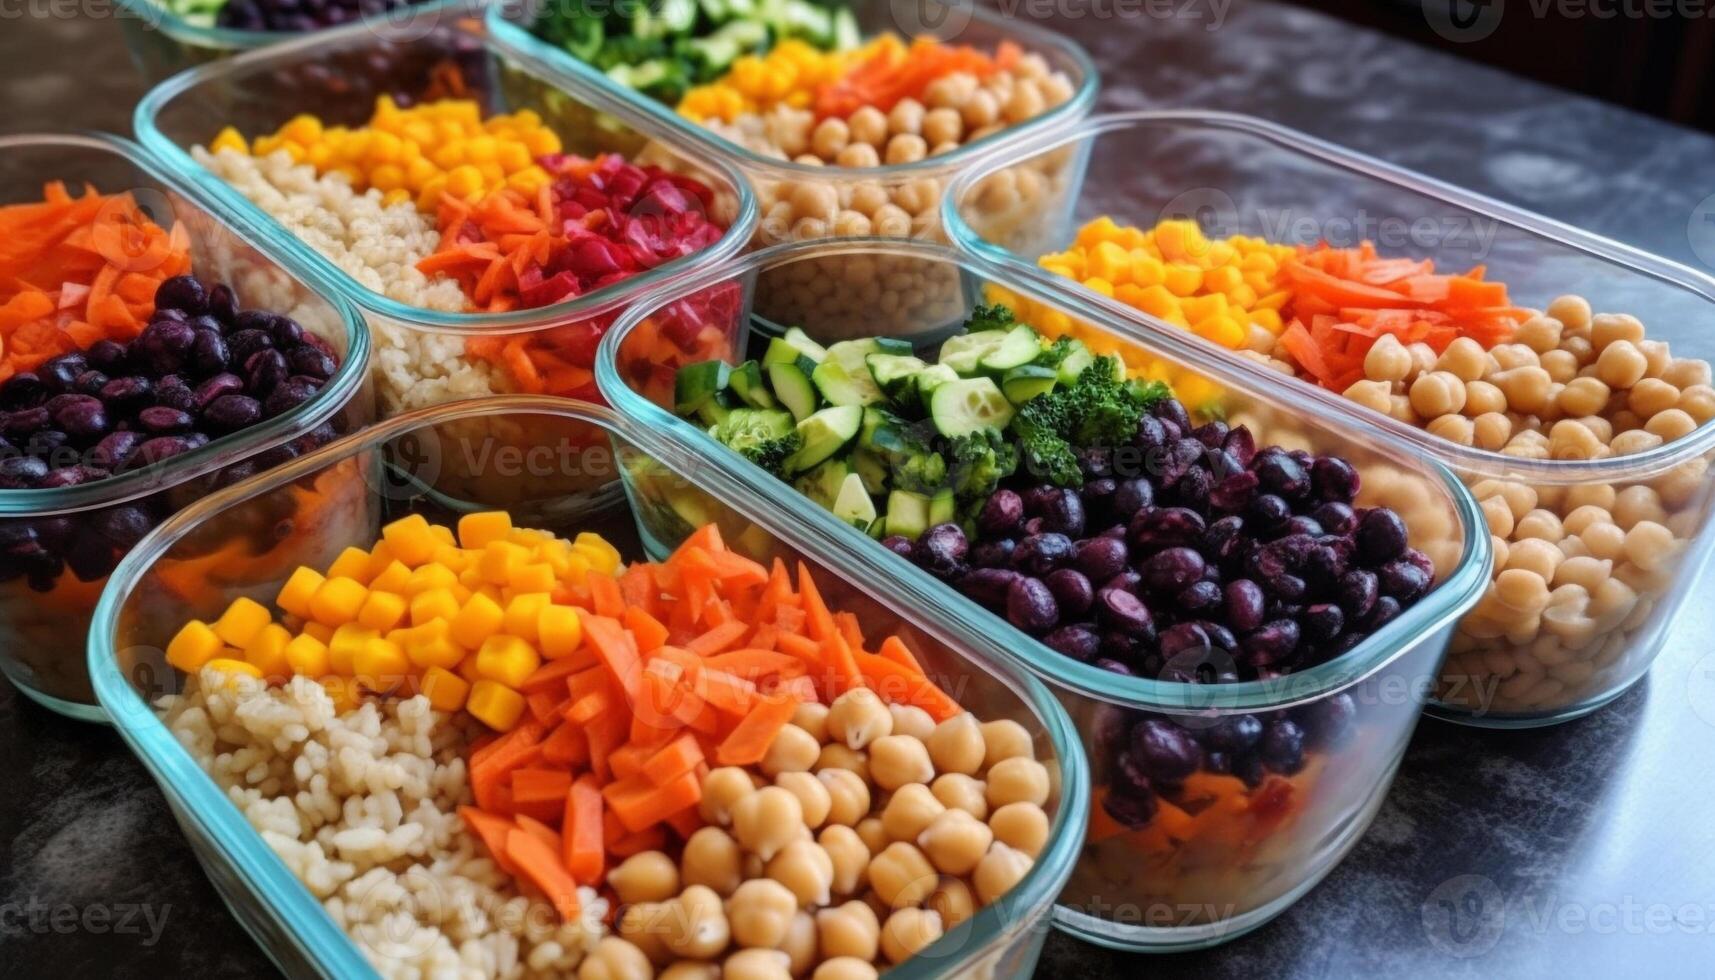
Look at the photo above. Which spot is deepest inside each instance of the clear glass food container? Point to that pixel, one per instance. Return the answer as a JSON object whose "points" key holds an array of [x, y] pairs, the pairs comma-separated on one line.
{"points": [[163, 42], [425, 356], [798, 201], [61, 544], [1508, 667], [1231, 858], [146, 605]]}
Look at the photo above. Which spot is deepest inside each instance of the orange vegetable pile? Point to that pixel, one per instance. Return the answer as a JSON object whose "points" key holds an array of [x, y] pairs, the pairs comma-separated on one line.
{"points": [[698, 661], [897, 72], [76, 270], [1344, 299]]}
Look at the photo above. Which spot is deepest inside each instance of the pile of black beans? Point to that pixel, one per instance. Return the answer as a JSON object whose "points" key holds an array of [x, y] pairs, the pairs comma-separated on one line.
{"points": [[300, 15], [201, 369], [1209, 561]]}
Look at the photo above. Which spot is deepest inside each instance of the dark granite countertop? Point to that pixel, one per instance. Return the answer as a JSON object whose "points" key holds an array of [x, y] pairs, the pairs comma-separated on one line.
{"points": [[1577, 851]]}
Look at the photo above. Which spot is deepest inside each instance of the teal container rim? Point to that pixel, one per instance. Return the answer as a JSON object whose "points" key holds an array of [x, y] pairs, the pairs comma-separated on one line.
{"points": [[156, 16], [1456, 594], [1033, 38], [347, 380], [319, 940], [308, 48], [1138, 324]]}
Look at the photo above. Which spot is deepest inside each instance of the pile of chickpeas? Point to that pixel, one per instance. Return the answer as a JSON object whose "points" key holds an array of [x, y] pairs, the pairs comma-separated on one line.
{"points": [[866, 833], [1579, 567]]}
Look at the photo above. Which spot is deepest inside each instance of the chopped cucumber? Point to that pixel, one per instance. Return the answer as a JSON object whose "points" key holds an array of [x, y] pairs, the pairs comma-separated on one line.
{"points": [[697, 383], [1023, 383], [1022, 345], [893, 345], [746, 382], [1076, 361], [822, 482], [781, 352], [841, 384], [943, 508], [895, 373], [801, 340], [853, 504], [907, 514], [824, 433], [960, 408], [964, 353], [932, 377], [873, 471], [791, 384]]}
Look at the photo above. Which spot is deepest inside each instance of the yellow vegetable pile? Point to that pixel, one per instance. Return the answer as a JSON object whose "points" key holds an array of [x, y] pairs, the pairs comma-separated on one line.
{"points": [[464, 621], [789, 74], [417, 153]]}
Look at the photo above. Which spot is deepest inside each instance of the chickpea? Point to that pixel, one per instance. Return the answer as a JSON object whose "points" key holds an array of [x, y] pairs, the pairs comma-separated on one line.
{"points": [[1526, 388], [1561, 365], [899, 760], [1670, 425], [1022, 825], [1635, 441], [1638, 503], [957, 745], [1491, 430], [793, 750], [1387, 360], [955, 841], [957, 791], [1005, 739], [851, 930], [1583, 396], [816, 199], [1621, 364], [901, 875], [1454, 428], [999, 870], [1017, 779], [1571, 439], [906, 148], [1583, 571], [1651, 396], [1606, 328], [1604, 540], [1464, 358], [644, 925], [858, 156], [953, 900], [873, 833], [943, 125], [649, 876], [1481, 398], [1024, 103], [1572, 311], [757, 964], [1595, 494], [909, 810], [837, 756], [800, 943], [980, 110], [1374, 395], [721, 789], [1687, 372], [907, 932], [848, 796], [613, 958], [760, 911], [806, 870], [908, 719], [1539, 333], [1437, 393], [1524, 591], [858, 717], [850, 856], [712, 859], [1650, 545], [690, 970], [905, 117], [829, 137], [868, 125], [845, 968], [698, 927], [767, 820]]}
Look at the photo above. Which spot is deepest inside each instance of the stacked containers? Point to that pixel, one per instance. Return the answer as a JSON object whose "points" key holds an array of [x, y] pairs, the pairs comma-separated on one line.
{"points": [[802, 200], [1132, 887], [43, 606], [1508, 666], [385, 467]]}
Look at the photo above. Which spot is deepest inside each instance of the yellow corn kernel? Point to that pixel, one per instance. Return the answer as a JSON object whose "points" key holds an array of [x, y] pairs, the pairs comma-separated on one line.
{"points": [[320, 631], [432, 645], [228, 139], [432, 605], [267, 650], [498, 560], [295, 595], [522, 613], [452, 558], [603, 556], [410, 539], [480, 618], [344, 646], [479, 530], [395, 578], [337, 601], [307, 655], [464, 181], [559, 631], [507, 659], [1267, 319], [352, 563], [241, 621], [431, 577], [380, 665], [467, 669], [495, 705], [232, 667], [445, 690], [382, 611], [533, 576], [1157, 301], [194, 645]]}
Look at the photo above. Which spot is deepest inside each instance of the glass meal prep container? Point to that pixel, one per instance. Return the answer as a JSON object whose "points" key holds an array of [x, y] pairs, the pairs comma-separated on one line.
{"points": [[798, 201], [147, 603], [58, 540], [1508, 667], [425, 356], [1228, 865], [163, 42]]}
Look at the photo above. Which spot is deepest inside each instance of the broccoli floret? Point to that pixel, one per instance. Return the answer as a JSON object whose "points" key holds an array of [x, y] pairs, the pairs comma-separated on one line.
{"points": [[924, 473], [1055, 353], [978, 462], [1098, 409], [996, 317], [771, 454]]}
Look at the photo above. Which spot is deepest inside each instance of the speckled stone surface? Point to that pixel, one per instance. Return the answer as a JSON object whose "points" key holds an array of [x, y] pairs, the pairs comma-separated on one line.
{"points": [[1584, 850]]}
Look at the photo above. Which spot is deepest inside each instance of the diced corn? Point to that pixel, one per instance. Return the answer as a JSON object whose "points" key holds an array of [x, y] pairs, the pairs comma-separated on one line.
{"points": [[495, 705], [380, 665], [507, 659], [241, 621], [337, 601], [480, 618], [307, 655], [559, 631], [347, 642], [233, 667], [352, 563], [295, 595], [194, 645], [382, 611], [432, 645], [267, 650], [445, 690], [410, 539], [499, 559], [523, 614], [394, 578]]}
